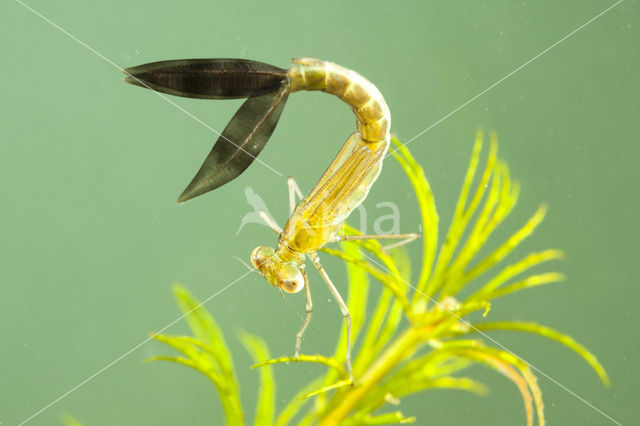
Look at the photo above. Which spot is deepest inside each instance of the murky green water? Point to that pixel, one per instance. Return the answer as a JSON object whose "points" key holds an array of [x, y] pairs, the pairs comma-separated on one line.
{"points": [[91, 238]]}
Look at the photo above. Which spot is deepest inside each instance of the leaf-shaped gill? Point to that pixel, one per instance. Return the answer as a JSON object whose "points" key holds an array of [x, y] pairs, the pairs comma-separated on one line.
{"points": [[239, 144], [208, 78]]}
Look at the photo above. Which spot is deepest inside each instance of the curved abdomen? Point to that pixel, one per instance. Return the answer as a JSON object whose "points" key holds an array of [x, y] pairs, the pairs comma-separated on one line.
{"points": [[345, 184], [366, 101]]}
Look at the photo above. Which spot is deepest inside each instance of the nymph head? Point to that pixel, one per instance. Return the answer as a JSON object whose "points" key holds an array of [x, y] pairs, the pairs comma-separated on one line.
{"points": [[284, 275]]}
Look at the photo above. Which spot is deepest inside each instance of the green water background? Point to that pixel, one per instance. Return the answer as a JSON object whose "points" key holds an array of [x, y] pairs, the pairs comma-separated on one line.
{"points": [[91, 238]]}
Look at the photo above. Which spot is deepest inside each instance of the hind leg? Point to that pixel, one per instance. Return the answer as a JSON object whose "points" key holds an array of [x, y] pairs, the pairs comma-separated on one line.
{"points": [[404, 238]]}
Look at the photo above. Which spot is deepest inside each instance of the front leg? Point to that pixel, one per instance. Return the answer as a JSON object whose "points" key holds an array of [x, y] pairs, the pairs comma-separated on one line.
{"points": [[309, 308]]}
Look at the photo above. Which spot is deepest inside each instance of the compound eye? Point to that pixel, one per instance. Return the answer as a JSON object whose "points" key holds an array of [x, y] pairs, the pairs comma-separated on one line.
{"points": [[292, 286], [290, 278], [260, 256]]}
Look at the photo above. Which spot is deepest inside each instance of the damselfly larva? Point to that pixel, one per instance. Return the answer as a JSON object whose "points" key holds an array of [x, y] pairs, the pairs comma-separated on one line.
{"points": [[316, 220]]}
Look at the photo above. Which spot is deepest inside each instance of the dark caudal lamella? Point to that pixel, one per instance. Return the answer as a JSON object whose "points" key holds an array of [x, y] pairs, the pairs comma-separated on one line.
{"points": [[208, 78], [239, 144]]}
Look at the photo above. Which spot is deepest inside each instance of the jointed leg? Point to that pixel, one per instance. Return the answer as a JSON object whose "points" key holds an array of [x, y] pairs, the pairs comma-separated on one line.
{"points": [[404, 238], [294, 190], [309, 307], [343, 306], [270, 223]]}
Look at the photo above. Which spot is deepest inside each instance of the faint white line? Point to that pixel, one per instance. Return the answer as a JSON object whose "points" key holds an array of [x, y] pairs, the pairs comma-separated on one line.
{"points": [[275, 171], [507, 76], [497, 343], [115, 361], [435, 301], [100, 55]]}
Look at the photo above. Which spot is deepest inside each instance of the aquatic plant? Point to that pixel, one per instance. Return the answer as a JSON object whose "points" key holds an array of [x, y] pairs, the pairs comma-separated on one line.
{"points": [[420, 336]]}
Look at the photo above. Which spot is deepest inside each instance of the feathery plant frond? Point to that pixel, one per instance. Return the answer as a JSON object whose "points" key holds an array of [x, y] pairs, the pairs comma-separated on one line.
{"points": [[206, 352], [433, 347]]}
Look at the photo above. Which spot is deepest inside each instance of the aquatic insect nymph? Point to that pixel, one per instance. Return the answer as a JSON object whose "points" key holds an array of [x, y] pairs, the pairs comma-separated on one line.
{"points": [[317, 218]]}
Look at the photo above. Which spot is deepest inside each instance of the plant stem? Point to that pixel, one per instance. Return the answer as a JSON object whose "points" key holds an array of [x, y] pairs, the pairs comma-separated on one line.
{"points": [[401, 349]]}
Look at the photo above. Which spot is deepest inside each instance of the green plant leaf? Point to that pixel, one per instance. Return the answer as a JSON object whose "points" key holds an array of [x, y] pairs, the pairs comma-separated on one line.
{"points": [[318, 359], [400, 389], [204, 328], [382, 419], [510, 244], [358, 293], [358, 281], [196, 358], [367, 352], [428, 211], [514, 269], [266, 406], [389, 281], [568, 341], [69, 420], [513, 368], [412, 342], [297, 403], [530, 281], [336, 385], [207, 352], [462, 214]]}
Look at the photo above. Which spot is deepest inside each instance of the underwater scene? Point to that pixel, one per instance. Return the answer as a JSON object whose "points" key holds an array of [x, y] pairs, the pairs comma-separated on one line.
{"points": [[336, 213]]}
